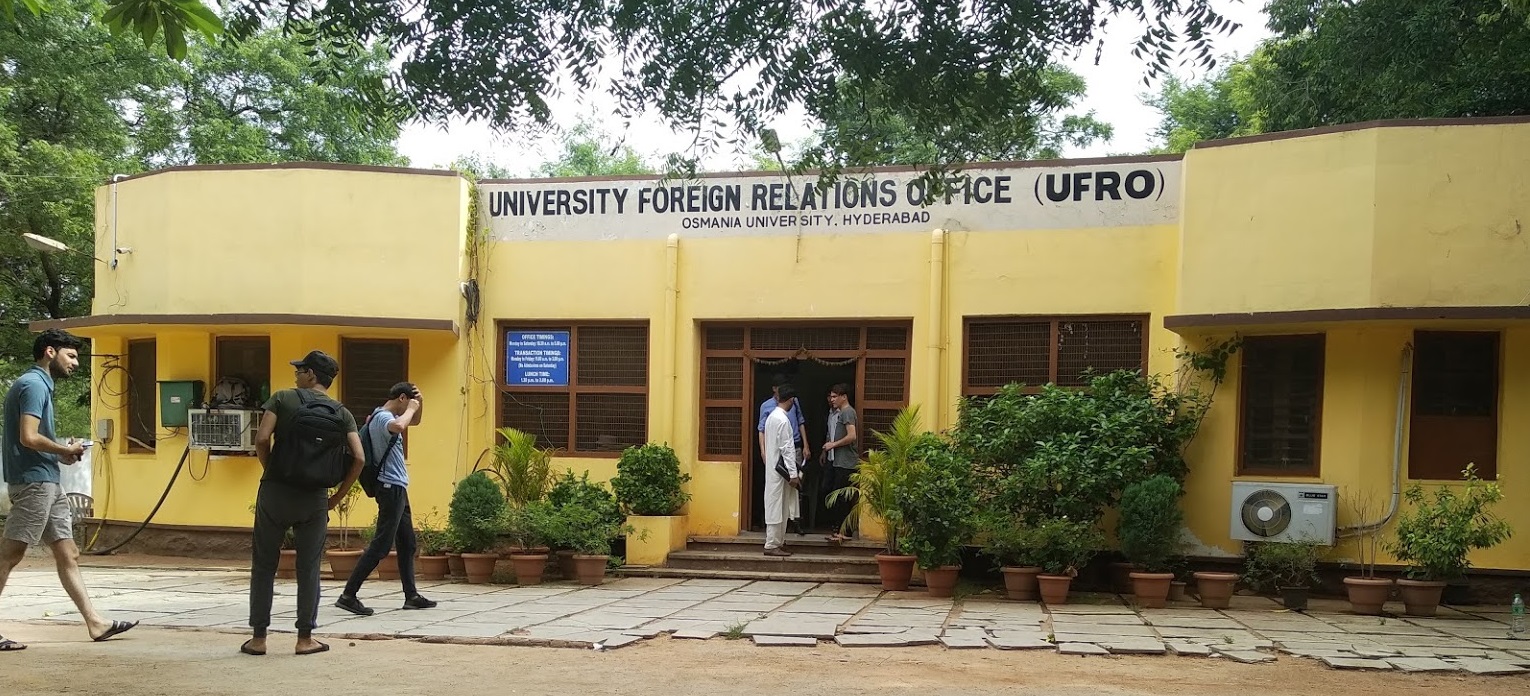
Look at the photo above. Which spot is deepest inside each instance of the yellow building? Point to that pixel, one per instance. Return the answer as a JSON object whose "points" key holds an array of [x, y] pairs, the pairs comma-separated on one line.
{"points": [[605, 313]]}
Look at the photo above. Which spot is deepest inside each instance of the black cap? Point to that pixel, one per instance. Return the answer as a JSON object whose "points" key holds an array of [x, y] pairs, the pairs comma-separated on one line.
{"points": [[320, 362]]}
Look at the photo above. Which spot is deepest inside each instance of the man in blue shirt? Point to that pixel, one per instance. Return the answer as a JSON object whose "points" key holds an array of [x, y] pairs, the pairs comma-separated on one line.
{"points": [[39, 507], [395, 521]]}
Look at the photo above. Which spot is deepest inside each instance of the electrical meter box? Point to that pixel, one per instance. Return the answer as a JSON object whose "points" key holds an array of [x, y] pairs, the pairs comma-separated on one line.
{"points": [[175, 398]]}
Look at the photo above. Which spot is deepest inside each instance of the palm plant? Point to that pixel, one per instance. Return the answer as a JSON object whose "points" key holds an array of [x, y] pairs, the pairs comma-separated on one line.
{"points": [[874, 483], [523, 469]]}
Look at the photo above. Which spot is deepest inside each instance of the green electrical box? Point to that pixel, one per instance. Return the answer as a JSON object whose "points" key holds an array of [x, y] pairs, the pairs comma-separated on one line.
{"points": [[175, 398]]}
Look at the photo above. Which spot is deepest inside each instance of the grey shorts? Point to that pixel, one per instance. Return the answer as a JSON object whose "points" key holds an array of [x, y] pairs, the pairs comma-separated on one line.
{"points": [[39, 514]]}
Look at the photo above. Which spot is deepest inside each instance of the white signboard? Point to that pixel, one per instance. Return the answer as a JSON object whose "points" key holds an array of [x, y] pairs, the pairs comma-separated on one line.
{"points": [[1023, 197]]}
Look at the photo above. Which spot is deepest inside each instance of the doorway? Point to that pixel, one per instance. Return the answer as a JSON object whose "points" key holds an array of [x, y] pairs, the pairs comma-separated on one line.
{"points": [[812, 381], [738, 362]]}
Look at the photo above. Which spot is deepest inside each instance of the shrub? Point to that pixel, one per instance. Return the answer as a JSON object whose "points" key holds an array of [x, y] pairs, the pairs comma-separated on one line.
{"points": [[476, 512], [874, 482], [1150, 523], [433, 540], [648, 481], [1063, 545], [1010, 542], [531, 525], [587, 531], [1435, 537], [936, 503], [581, 492], [524, 469], [1273, 565]]}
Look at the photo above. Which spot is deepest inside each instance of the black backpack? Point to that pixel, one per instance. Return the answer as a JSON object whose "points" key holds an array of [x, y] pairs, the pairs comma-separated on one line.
{"points": [[311, 449], [373, 466]]}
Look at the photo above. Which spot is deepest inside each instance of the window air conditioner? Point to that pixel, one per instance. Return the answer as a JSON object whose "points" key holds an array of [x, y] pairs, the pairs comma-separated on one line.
{"points": [[223, 429]]}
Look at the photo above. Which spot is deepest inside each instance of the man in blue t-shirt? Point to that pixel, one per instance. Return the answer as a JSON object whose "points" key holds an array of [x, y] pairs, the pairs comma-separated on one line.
{"points": [[39, 507], [395, 521]]}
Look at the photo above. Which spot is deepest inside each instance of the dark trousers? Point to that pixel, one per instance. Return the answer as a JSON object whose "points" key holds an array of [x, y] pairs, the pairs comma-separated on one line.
{"points": [[838, 478], [395, 527], [278, 508]]}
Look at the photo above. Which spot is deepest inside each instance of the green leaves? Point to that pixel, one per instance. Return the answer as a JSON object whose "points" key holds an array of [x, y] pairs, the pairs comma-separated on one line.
{"points": [[146, 17], [648, 481], [8, 8], [1438, 533], [1150, 522], [936, 502]]}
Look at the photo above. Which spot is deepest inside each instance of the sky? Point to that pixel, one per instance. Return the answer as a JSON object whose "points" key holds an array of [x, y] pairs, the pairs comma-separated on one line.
{"points": [[1115, 88]]}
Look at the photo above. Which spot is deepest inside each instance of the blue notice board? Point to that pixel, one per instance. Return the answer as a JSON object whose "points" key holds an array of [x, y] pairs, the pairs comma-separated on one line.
{"points": [[536, 358]]}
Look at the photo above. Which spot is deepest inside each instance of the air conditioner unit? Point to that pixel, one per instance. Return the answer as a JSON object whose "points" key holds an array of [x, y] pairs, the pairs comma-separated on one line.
{"points": [[1263, 511], [223, 429]]}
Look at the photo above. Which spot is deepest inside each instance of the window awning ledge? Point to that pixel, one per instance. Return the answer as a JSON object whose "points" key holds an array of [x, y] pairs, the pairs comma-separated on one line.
{"points": [[85, 325]]}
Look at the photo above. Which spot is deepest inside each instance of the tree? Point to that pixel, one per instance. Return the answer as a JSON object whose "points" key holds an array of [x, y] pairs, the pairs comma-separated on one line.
{"points": [[866, 126], [588, 150], [79, 105], [1333, 62], [721, 68]]}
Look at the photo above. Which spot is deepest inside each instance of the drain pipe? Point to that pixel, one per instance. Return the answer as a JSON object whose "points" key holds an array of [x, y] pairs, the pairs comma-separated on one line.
{"points": [[937, 327], [1403, 383], [670, 338]]}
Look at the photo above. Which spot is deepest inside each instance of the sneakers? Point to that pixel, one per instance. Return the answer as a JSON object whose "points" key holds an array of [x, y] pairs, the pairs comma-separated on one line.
{"points": [[418, 602], [353, 605]]}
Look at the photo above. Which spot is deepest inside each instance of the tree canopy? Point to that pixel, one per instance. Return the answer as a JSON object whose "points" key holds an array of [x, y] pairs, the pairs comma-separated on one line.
{"points": [[720, 68], [1332, 62]]}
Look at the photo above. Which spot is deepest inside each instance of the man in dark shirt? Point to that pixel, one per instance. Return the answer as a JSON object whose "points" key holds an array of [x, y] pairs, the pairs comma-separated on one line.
{"points": [[841, 456], [280, 506]]}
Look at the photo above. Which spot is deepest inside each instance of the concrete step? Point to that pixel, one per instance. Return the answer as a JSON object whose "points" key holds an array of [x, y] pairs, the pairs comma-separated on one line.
{"points": [[755, 559], [712, 574], [811, 543]]}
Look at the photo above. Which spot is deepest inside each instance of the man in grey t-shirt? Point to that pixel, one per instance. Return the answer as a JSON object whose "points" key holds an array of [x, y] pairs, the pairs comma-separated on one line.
{"points": [[841, 457]]}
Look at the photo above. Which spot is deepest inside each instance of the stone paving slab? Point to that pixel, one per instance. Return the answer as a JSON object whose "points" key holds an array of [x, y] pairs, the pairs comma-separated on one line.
{"points": [[770, 641], [819, 628], [1019, 641], [694, 634], [1422, 664], [1135, 647], [887, 640], [1060, 627], [963, 642], [1081, 649], [1356, 663], [1490, 667], [1189, 649]]}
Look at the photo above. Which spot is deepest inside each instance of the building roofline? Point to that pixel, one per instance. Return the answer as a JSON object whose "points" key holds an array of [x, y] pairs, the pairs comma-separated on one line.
{"points": [[1364, 125], [1313, 316], [331, 166], [1018, 164], [105, 320]]}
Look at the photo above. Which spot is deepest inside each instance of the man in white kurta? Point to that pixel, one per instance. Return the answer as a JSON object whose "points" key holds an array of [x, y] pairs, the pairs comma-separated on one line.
{"points": [[780, 493]]}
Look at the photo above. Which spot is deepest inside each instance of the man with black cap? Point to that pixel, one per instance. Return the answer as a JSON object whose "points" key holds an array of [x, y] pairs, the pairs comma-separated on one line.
{"points": [[395, 521], [280, 506]]}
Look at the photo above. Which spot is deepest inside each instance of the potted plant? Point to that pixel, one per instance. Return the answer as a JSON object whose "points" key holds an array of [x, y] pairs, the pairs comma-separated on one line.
{"points": [[873, 488], [1287, 567], [651, 490], [1149, 531], [1180, 567], [589, 533], [432, 562], [474, 520], [523, 469], [1367, 593], [938, 507], [1436, 535], [582, 494], [342, 560], [454, 566], [1062, 547], [528, 527], [1013, 546]]}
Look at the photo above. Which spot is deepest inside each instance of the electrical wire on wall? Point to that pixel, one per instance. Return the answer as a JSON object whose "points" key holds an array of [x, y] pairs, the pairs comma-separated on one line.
{"points": [[162, 496]]}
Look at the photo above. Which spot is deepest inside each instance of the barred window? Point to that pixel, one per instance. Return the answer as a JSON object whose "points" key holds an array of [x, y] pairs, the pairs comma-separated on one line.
{"points": [[368, 370], [594, 399], [1034, 351], [248, 359], [142, 422], [1281, 405]]}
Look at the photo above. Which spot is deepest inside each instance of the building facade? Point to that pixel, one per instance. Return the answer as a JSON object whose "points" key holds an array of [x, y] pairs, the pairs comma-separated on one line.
{"points": [[1378, 276]]}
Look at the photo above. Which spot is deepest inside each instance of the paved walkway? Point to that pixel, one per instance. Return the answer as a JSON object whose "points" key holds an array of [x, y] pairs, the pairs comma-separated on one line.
{"points": [[624, 611]]}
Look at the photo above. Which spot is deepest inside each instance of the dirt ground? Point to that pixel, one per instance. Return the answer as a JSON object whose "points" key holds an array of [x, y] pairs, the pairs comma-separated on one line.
{"points": [[173, 662]]}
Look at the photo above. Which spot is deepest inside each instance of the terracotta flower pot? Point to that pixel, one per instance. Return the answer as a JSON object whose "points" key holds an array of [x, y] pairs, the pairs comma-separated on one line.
{"points": [[431, 567], [589, 569], [896, 571], [941, 581], [341, 562], [1020, 583], [387, 568], [286, 564], [1054, 588], [1151, 589], [1121, 577], [1421, 597], [1215, 589], [528, 567], [454, 564], [566, 565], [479, 567], [1177, 591], [1368, 595]]}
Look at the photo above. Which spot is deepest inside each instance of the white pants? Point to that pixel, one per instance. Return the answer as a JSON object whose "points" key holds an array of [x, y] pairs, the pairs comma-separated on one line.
{"points": [[780, 507]]}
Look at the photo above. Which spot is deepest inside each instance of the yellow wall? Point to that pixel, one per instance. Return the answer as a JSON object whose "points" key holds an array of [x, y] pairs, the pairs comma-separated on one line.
{"points": [[285, 241]]}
